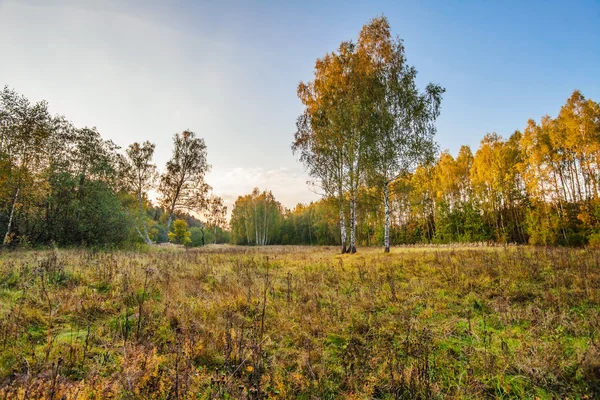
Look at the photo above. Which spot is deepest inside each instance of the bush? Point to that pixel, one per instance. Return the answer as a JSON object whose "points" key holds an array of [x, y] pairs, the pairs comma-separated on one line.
{"points": [[197, 237], [180, 234], [594, 240]]}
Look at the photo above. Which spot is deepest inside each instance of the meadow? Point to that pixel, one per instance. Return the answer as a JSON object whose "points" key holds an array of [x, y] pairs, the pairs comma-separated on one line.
{"points": [[279, 322]]}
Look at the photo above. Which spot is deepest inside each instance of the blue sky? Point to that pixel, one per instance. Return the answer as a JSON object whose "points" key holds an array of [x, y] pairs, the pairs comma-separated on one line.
{"points": [[229, 70]]}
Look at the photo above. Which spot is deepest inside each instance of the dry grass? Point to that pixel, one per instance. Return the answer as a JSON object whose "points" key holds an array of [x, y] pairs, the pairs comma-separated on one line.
{"points": [[300, 322]]}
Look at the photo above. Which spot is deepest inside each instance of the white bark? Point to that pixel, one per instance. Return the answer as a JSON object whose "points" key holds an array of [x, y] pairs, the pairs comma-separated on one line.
{"points": [[267, 235], [247, 229], [169, 222], [10, 219], [386, 204], [352, 225], [140, 233], [256, 226], [264, 235], [343, 228]]}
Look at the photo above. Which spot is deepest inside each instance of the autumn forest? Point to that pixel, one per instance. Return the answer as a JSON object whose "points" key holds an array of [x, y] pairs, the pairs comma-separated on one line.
{"points": [[416, 274], [367, 139]]}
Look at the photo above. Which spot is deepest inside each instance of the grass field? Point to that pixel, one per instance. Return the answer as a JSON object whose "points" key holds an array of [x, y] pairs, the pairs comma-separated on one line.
{"points": [[300, 322]]}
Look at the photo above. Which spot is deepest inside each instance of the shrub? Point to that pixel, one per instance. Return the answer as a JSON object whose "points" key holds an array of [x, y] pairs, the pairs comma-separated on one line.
{"points": [[594, 240], [180, 234]]}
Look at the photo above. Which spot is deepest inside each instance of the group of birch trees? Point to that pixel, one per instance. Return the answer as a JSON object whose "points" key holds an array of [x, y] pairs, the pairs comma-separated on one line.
{"points": [[256, 219], [365, 122], [366, 138], [541, 186], [67, 185]]}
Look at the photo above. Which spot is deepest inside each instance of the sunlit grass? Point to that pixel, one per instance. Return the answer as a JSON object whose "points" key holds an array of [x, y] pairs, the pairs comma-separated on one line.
{"points": [[300, 322]]}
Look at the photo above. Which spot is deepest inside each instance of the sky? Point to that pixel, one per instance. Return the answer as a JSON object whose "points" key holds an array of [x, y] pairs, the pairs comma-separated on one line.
{"points": [[228, 70]]}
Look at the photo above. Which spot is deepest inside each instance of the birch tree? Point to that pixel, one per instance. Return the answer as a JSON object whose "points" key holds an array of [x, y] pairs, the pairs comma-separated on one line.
{"points": [[141, 175], [256, 219], [216, 213], [182, 185], [24, 129], [402, 118], [365, 117], [324, 136]]}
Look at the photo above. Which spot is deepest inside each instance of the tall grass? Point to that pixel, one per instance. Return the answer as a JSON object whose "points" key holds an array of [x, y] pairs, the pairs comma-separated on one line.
{"points": [[295, 322]]}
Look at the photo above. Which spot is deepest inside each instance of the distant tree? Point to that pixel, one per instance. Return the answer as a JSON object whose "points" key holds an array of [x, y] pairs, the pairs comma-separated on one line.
{"points": [[216, 212], [256, 219], [24, 131], [140, 174], [182, 185], [495, 184], [180, 234]]}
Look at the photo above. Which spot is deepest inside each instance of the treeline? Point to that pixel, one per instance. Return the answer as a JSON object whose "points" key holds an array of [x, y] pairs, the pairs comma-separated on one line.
{"points": [[67, 185], [540, 186], [366, 137]]}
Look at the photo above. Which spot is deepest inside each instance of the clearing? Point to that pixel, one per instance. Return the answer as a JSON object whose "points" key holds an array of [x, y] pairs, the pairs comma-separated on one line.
{"points": [[300, 322]]}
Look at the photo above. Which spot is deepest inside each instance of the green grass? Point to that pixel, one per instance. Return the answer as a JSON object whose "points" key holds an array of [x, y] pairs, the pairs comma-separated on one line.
{"points": [[300, 322]]}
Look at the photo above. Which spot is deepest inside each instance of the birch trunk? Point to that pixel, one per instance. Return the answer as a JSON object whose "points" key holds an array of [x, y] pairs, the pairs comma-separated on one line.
{"points": [[256, 242], [169, 222], [10, 219], [137, 229], [343, 229], [264, 235], [267, 235], [247, 229], [386, 205], [352, 224]]}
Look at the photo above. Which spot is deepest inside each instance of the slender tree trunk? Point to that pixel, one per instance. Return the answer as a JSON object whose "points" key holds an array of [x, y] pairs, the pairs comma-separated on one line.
{"points": [[572, 181], [172, 211], [256, 226], [264, 233], [169, 221], [247, 229], [591, 181], [267, 235], [10, 219], [215, 235], [386, 206], [309, 228], [137, 229], [577, 178], [343, 228], [564, 185], [560, 210], [352, 224]]}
